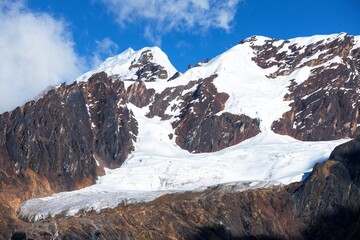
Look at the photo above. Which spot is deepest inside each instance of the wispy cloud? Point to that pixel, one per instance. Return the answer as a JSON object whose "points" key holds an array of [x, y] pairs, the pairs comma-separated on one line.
{"points": [[162, 16], [152, 35], [36, 51], [104, 48]]}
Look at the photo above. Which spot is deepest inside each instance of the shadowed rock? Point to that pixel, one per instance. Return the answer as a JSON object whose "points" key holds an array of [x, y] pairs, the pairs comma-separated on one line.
{"points": [[62, 141], [324, 106]]}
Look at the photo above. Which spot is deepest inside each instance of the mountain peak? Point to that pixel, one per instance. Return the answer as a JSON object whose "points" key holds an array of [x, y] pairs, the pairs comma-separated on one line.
{"points": [[258, 40], [146, 64]]}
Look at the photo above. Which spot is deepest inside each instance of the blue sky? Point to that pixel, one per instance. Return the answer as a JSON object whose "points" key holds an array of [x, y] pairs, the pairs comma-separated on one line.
{"points": [[92, 21], [46, 42]]}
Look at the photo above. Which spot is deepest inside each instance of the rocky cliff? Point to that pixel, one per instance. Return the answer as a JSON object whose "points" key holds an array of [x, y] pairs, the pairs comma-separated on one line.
{"points": [[325, 99], [67, 133]]}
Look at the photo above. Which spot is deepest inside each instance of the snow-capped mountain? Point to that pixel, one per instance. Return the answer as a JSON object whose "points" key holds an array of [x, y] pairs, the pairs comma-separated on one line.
{"points": [[135, 128], [147, 64]]}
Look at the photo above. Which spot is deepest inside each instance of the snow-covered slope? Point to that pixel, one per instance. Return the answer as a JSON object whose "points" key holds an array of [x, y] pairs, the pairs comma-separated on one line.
{"points": [[256, 87], [251, 93], [126, 65]]}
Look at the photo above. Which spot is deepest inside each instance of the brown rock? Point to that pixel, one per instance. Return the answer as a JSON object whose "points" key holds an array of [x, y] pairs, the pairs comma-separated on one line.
{"points": [[325, 106], [139, 95], [146, 70], [198, 126], [54, 144], [200, 129]]}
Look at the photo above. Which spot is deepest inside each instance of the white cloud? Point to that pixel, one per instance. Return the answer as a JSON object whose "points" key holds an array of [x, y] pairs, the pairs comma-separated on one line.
{"points": [[104, 48], [204, 4], [153, 37], [162, 16], [36, 51]]}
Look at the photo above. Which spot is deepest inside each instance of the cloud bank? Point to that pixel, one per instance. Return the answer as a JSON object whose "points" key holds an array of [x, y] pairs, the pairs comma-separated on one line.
{"points": [[36, 52], [162, 16]]}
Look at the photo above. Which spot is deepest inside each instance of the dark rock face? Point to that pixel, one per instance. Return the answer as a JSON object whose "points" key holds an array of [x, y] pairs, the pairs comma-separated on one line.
{"points": [[176, 75], [214, 133], [349, 155], [147, 70], [162, 101], [112, 122], [327, 203], [198, 125], [62, 141], [200, 129], [139, 95], [62, 135], [324, 106], [325, 206]]}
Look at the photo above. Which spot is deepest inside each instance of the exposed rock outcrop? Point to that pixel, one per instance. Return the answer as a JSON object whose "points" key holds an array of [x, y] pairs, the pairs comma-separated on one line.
{"points": [[63, 140], [200, 126], [147, 70], [198, 122], [139, 95], [324, 105], [63, 134]]}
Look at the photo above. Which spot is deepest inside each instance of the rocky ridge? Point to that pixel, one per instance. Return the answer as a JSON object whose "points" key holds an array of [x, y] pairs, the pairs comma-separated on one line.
{"points": [[324, 99]]}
